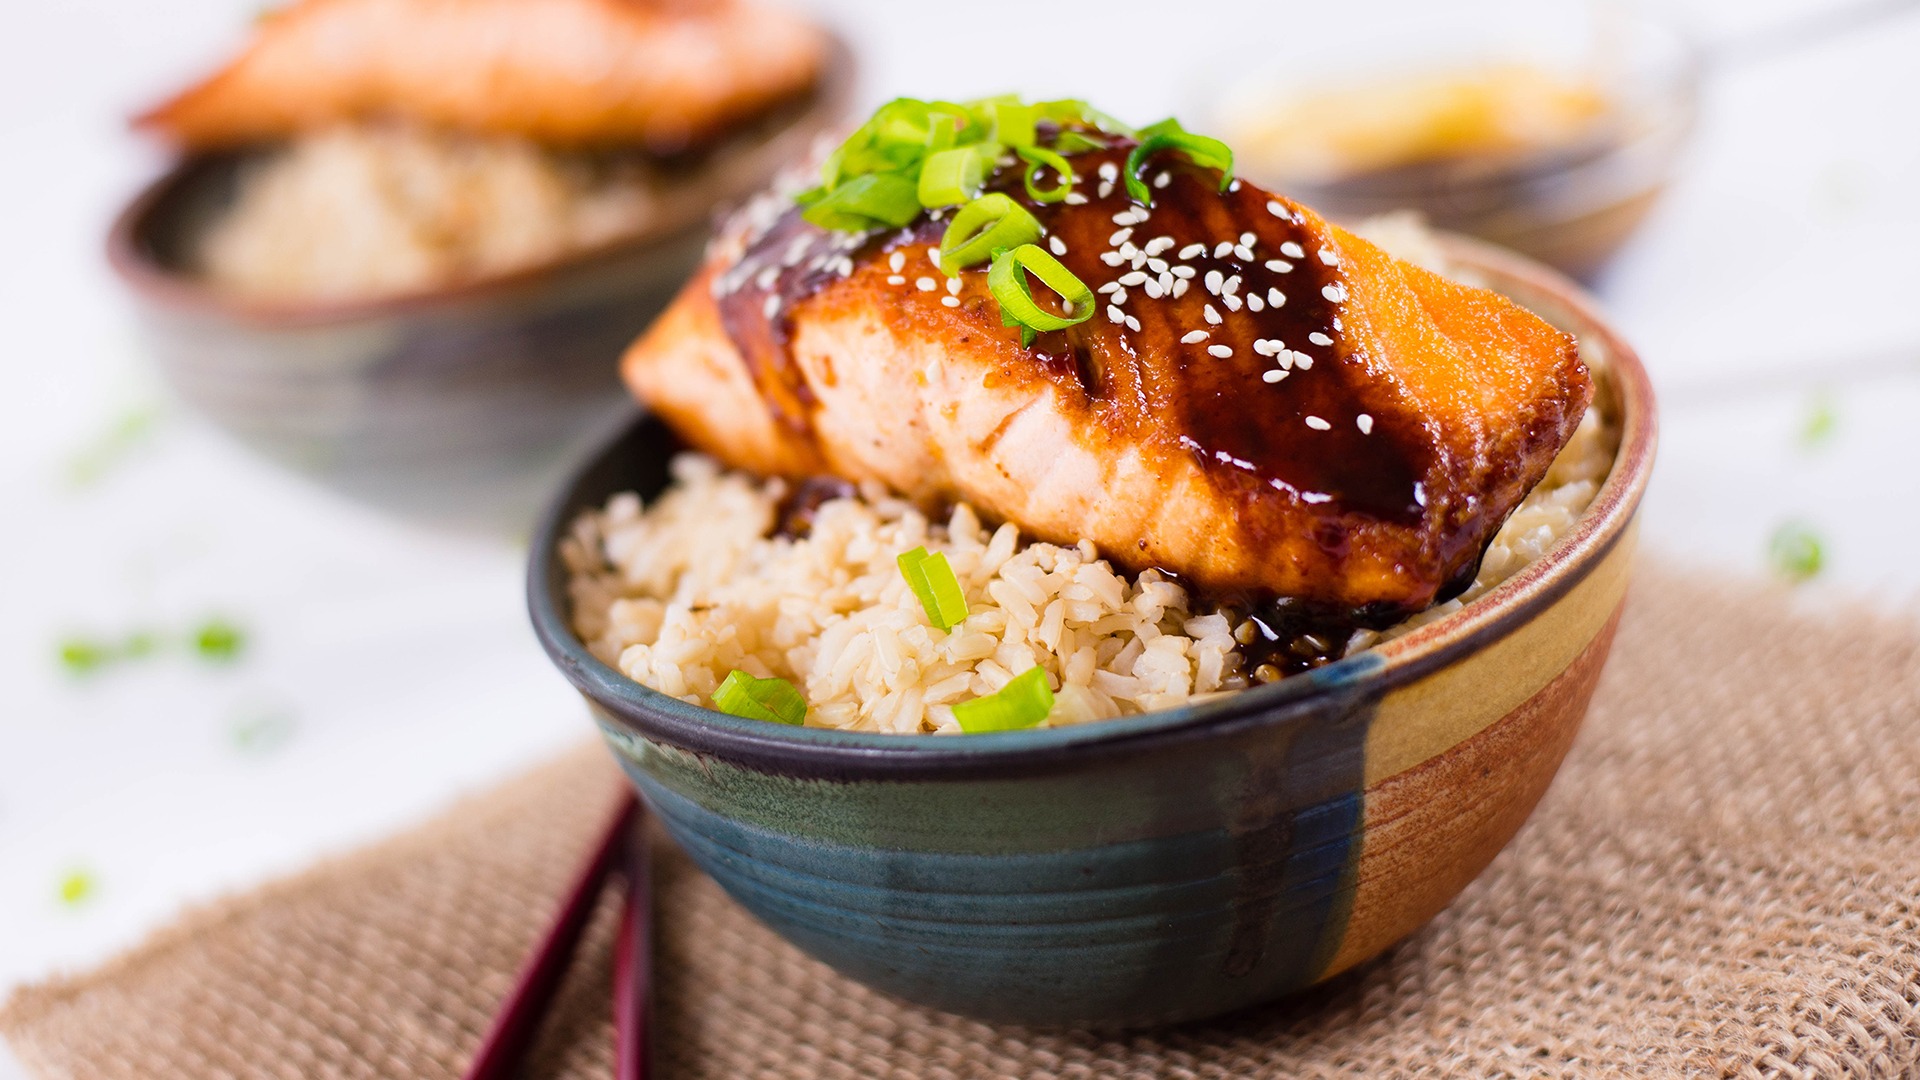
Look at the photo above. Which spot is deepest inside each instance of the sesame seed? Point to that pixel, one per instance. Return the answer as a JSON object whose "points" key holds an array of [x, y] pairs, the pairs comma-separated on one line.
{"points": [[950, 301], [1128, 251], [1191, 250], [1213, 282], [1248, 238], [1158, 266], [1279, 266], [1153, 289], [772, 306], [1111, 286], [1194, 337], [1057, 245], [897, 261], [1242, 251], [1255, 304], [1336, 323], [1112, 258], [1114, 314], [765, 278], [1232, 302], [1184, 271], [1162, 180], [1364, 423], [1221, 351], [1318, 424], [1303, 361], [1319, 338], [1330, 256], [1232, 286], [1133, 278], [924, 284], [1108, 170], [953, 286], [1166, 281], [933, 255], [1222, 249], [1106, 188], [1335, 292], [1139, 259], [896, 279], [1212, 315], [1158, 244], [1292, 250], [1119, 296], [1179, 287], [1234, 187], [1276, 298], [1272, 375], [1274, 208], [1119, 237], [1133, 324], [1265, 346], [1074, 198]]}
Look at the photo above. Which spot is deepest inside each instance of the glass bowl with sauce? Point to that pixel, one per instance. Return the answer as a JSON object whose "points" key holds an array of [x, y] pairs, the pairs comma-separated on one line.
{"points": [[1554, 148]]}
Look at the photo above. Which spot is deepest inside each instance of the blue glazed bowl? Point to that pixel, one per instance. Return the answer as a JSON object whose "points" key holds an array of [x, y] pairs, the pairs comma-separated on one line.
{"points": [[1153, 868]]}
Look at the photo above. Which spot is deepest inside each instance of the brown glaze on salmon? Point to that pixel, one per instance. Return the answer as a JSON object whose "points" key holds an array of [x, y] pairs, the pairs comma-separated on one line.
{"points": [[1264, 404]]}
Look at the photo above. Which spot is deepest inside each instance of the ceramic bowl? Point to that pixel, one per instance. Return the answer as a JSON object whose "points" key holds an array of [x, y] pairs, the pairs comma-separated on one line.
{"points": [[459, 403], [1152, 868]]}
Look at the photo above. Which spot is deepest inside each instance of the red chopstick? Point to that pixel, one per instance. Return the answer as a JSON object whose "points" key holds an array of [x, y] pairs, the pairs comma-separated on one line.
{"points": [[514, 1026], [633, 965]]}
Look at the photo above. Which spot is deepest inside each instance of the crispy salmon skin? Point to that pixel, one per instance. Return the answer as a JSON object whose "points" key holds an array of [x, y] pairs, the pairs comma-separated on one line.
{"points": [[660, 74], [1262, 402]]}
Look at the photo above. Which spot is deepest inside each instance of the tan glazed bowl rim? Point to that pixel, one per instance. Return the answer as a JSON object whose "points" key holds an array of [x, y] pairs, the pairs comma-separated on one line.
{"points": [[856, 755]]}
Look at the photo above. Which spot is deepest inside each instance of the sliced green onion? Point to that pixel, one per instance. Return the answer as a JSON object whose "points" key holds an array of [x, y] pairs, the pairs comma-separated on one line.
{"points": [[931, 579], [1007, 280], [1021, 703], [1038, 158], [1795, 552], [866, 202], [953, 176], [76, 887], [1072, 142], [1009, 121], [1167, 135], [219, 641], [773, 700], [987, 223], [1072, 109]]}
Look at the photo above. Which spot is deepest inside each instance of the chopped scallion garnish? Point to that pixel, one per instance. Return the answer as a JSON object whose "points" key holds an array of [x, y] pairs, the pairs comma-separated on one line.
{"points": [[1007, 280], [1038, 158], [1169, 135], [865, 202], [1796, 552], [983, 226], [1022, 703], [951, 177], [931, 578], [773, 700]]}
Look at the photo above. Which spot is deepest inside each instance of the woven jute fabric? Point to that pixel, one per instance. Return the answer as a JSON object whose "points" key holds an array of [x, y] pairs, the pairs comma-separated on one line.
{"points": [[1725, 880]]}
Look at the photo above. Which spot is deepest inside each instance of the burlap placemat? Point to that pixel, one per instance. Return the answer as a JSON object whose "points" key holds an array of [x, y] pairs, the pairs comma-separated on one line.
{"points": [[1724, 880]]}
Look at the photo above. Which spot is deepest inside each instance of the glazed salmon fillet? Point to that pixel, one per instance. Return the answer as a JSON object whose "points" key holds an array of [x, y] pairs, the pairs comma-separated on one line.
{"points": [[1263, 403], [660, 74]]}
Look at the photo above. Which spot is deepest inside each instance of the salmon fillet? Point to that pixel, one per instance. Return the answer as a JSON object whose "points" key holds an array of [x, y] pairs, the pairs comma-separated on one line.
{"points": [[660, 74], [1264, 403]]}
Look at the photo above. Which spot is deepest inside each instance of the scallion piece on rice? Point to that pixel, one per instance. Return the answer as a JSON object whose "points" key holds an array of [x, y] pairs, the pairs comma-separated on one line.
{"points": [[931, 578], [1021, 703], [773, 700]]}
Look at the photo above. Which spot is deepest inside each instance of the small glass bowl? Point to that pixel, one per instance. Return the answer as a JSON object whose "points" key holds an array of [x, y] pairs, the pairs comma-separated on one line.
{"points": [[1571, 206]]}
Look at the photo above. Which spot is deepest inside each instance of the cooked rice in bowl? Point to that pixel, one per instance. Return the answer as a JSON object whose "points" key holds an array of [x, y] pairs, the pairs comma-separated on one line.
{"points": [[678, 594]]}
